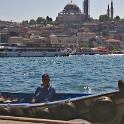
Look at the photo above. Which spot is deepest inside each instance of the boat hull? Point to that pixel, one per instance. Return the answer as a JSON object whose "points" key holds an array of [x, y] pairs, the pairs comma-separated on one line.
{"points": [[33, 54], [86, 53], [102, 108]]}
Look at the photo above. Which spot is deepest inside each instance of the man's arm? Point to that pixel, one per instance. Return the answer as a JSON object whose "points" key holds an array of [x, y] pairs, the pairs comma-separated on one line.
{"points": [[35, 95]]}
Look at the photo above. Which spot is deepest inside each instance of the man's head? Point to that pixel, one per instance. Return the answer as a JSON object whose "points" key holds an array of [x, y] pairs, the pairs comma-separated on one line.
{"points": [[45, 79]]}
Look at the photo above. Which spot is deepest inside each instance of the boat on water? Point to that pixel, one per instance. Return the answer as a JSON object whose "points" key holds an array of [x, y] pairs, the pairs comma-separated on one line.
{"points": [[119, 52], [13, 50], [85, 53], [103, 108], [89, 51]]}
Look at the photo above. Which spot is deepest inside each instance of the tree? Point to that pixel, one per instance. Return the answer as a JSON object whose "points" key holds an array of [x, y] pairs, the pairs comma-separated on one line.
{"points": [[103, 17], [48, 19], [90, 45], [41, 20], [117, 18], [24, 23], [112, 47], [32, 22], [55, 23], [83, 44]]}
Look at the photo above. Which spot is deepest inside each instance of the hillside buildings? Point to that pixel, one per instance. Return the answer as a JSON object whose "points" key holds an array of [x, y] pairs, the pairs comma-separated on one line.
{"points": [[74, 29]]}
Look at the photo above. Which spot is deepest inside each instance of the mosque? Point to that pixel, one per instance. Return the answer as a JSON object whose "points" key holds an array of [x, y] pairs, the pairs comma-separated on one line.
{"points": [[70, 13]]}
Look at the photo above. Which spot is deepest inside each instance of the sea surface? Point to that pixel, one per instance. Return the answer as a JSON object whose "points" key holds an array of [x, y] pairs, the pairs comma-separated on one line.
{"points": [[83, 73]]}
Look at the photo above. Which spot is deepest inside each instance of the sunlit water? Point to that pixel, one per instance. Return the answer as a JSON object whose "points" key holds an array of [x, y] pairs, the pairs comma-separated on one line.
{"points": [[87, 74]]}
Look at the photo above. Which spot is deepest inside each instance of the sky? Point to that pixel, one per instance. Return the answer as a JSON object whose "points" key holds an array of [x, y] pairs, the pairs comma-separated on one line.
{"points": [[19, 10]]}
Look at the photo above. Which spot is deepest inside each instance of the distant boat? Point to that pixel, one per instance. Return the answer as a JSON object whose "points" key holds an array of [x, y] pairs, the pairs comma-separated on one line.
{"points": [[88, 52], [85, 53], [7, 50], [120, 52]]}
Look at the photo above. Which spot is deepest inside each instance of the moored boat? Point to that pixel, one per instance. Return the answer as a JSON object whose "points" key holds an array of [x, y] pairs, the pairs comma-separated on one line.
{"points": [[10, 50], [120, 52], [104, 108], [89, 51]]}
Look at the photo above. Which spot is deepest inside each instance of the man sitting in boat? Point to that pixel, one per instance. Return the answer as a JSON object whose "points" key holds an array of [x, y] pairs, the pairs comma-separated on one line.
{"points": [[45, 92]]}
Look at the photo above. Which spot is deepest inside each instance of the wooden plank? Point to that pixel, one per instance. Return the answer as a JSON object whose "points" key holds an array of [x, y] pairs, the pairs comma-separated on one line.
{"points": [[34, 120], [16, 122]]}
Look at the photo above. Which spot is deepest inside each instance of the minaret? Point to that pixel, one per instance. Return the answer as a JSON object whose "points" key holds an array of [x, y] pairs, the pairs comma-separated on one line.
{"points": [[86, 9], [112, 10], [108, 11]]}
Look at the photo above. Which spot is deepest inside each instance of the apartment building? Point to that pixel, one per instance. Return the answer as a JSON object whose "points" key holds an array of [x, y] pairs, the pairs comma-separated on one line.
{"points": [[64, 40], [85, 36], [18, 40]]}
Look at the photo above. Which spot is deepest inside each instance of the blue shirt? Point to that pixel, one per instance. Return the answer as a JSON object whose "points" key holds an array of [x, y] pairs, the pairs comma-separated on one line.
{"points": [[43, 94]]}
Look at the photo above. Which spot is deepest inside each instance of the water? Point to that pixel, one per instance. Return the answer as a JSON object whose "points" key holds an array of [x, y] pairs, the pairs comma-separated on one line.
{"points": [[87, 74]]}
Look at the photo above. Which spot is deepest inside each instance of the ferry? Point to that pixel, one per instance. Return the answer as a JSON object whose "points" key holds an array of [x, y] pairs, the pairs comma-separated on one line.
{"points": [[13, 50]]}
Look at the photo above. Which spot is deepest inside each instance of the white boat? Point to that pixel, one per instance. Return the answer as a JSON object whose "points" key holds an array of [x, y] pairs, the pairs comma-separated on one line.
{"points": [[24, 51], [120, 52], [88, 52], [85, 53]]}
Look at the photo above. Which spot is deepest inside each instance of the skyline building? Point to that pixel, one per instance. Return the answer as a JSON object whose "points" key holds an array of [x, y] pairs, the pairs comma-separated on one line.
{"points": [[86, 9], [110, 11], [70, 13]]}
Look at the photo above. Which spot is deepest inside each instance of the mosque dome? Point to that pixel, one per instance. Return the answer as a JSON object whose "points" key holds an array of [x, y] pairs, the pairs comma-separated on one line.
{"points": [[71, 6]]}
